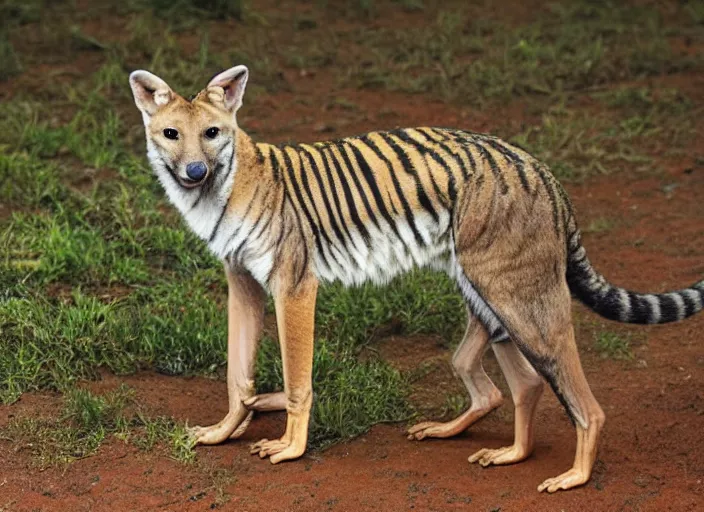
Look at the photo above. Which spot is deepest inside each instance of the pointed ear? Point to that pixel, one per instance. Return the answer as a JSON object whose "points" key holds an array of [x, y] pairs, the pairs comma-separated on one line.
{"points": [[233, 82], [150, 92]]}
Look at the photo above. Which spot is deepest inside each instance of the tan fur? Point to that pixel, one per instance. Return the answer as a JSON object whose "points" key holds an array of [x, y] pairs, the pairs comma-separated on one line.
{"points": [[366, 208]]}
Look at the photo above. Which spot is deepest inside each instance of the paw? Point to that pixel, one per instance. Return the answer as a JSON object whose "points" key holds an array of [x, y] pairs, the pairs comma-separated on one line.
{"points": [[568, 480], [500, 456], [277, 450], [202, 435], [219, 432], [430, 429]]}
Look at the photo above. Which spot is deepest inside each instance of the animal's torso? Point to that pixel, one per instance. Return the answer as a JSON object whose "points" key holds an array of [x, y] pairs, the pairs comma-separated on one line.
{"points": [[366, 207]]}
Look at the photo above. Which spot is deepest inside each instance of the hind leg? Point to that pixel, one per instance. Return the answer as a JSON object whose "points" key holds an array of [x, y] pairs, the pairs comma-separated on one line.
{"points": [[484, 395], [570, 382], [542, 329], [526, 389]]}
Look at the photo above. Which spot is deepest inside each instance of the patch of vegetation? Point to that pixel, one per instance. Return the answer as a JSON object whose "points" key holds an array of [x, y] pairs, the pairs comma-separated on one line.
{"points": [[455, 405], [573, 47], [577, 143], [86, 421], [349, 395], [21, 12], [613, 345], [600, 225]]}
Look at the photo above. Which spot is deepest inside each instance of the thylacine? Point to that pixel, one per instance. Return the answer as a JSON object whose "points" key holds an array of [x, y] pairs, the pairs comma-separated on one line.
{"points": [[284, 218]]}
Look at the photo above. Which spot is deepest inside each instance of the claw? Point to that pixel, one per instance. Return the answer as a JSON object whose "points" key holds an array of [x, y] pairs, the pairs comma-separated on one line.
{"points": [[567, 480]]}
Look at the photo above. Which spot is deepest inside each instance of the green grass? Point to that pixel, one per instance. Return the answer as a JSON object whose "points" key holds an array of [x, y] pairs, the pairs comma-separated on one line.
{"points": [[613, 345], [87, 420], [578, 143], [600, 225], [571, 46]]}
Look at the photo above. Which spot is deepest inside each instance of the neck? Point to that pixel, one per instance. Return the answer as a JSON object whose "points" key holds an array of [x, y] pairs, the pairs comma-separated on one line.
{"points": [[218, 210]]}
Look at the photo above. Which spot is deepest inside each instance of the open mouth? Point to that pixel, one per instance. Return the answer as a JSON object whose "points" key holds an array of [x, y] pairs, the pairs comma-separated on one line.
{"points": [[189, 183]]}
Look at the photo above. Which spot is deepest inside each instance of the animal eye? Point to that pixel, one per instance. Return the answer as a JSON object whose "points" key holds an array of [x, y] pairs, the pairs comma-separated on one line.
{"points": [[211, 133], [170, 133]]}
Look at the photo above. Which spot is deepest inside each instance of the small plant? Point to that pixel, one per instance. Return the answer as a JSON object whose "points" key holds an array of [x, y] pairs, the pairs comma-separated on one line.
{"points": [[455, 405], [613, 345], [600, 225], [87, 420]]}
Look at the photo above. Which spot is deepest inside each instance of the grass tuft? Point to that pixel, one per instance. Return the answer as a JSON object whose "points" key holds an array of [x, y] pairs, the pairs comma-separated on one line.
{"points": [[613, 345], [88, 420], [575, 46]]}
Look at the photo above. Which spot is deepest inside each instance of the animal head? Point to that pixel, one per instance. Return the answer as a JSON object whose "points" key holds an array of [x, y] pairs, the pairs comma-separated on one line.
{"points": [[190, 143]]}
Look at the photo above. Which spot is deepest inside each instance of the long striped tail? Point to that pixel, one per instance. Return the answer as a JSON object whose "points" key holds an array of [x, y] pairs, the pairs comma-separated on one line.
{"points": [[622, 305]]}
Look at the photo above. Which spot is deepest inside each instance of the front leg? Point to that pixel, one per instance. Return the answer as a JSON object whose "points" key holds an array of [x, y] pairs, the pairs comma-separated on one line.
{"points": [[295, 315], [245, 305]]}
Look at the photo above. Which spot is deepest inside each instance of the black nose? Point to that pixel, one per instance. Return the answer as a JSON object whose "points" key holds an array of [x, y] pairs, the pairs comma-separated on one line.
{"points": [[196, 170]]}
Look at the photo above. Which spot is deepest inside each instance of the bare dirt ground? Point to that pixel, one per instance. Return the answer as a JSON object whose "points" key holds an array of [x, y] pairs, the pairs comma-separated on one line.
{"points": [[650, 455]]}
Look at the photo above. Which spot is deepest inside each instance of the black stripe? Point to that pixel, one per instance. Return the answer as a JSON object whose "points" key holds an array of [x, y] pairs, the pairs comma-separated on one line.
{"points": [[430, 131], [207, 187], [319, 221], [309, 193], [574, 260], [234, 254], [547, 368], [259, 219], [467, 151], [498, 175], [275, 165], [222, 148], [540, 171], [668, 309], [442, 196], [612, 306], [350, 200], [640, 308], [260, 155], [348, 163], [281, 237], [376, 193], [511, 158], [397, 186], [217, 224], [690, 306], [391, 202], [328, 207], [428, 138], [426, 151], [335, 197], [246, 214], [408, 167], [306, 256], [299, 196], [171, 171], [460, 164]]}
